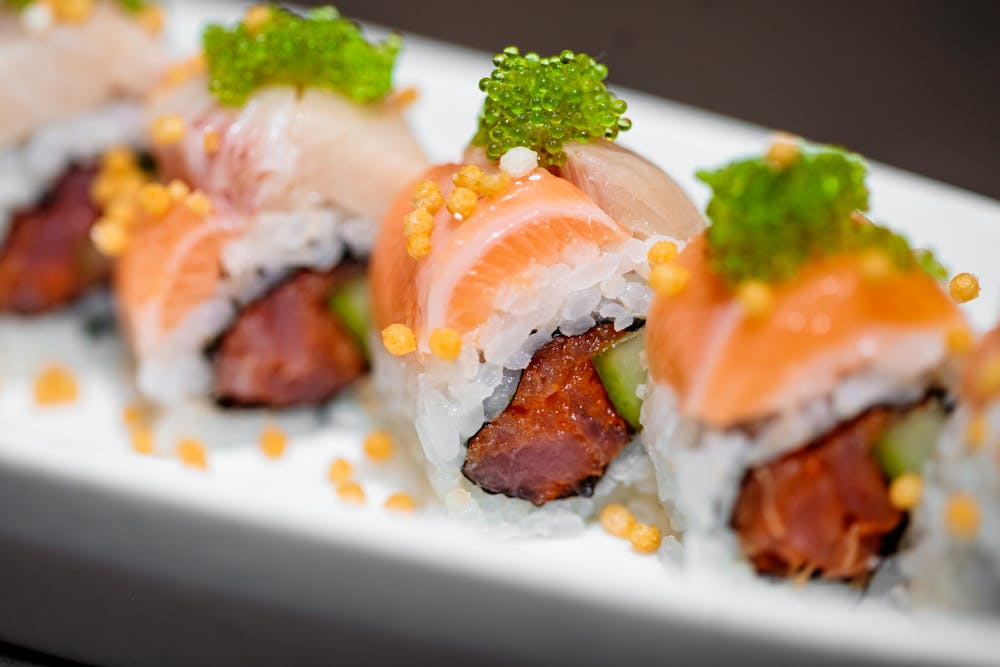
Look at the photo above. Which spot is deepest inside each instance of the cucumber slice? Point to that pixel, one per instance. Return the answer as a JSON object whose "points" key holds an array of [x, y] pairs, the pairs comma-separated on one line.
{"points": [[350, 304], [908, 444], [621, 370]]}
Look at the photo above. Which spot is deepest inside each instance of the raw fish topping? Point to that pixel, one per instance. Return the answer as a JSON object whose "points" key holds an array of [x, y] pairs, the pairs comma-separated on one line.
{"points": [[541, 103], [320, 50], [800, 201]]}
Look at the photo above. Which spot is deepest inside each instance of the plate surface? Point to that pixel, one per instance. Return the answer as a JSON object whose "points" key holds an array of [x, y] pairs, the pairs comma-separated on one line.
{"points": [[272, 534]]}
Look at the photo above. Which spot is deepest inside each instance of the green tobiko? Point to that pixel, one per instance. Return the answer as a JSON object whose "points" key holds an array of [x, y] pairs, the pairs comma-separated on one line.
{"points": [[769, 219], [318, 50], [541, 103]]}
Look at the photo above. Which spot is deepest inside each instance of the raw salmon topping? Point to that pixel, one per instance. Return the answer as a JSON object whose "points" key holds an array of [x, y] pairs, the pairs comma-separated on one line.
{"points": [[528, 225]]}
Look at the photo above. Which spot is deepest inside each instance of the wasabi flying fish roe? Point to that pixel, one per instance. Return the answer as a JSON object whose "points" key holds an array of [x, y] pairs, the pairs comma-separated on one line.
{"points": [[541, 103], [319, 50], [770, 217]]}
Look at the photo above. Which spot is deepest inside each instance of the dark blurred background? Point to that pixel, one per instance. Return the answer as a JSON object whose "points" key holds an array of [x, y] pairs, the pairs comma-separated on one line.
{"points": [[915, 84]]}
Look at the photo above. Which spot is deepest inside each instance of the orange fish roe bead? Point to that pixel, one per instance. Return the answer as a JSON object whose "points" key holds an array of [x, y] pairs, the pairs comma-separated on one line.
{"points": [[492, 185], [617, 520], [379, 446], [199, 203], [273, 441], [756, 298], [256, 18], [109, 237], [351, 492], [400, 502], [399, 339], [469, 177], [55, 385], [959, 340], [784, 151], [419, 221], [962, 516], [988, 377], [180, 72], [668, 279], [167, 130], [151, 18], [462, 203], [340, 470], [142, 441], [133, 415], [418, 246], [72, 11], [154, 199], [212, 141], [964, 287], [875, 265], [192, 453], [119, 159], [428, 195], [976, 431], [662, 252], [179, 190], [644, 538], [905, 491], [445, 343]]}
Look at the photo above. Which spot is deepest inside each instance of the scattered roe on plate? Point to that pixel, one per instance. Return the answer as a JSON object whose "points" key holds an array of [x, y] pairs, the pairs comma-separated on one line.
{"points": [[351, 492], [141, 440], [276, 46], [541, 103], [379, 446], [769, 216], [273, 441], [340, 471], [400, 502], [55, 385], [192, 453]]}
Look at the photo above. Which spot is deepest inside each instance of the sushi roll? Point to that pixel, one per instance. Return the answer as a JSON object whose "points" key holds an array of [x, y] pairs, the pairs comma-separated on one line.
{"points": [[795, 349], [497, 282], [953, 559], [71, 75], [280, 147]]}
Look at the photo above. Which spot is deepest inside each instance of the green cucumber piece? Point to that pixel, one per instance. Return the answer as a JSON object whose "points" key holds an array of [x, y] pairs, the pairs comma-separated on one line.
{"points": [[909, 443], [621, 371], [350, 304]]}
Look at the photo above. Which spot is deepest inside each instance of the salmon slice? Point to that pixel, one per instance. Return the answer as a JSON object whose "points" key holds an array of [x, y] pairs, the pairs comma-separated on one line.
{"points": [[528, 226], [72, 68], [171, 267], [727, 367], [288, 149]]}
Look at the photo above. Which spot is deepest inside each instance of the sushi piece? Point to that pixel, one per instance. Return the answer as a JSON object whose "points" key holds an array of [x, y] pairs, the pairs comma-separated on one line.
{"points": [[784, 345], [495, 283], [67, 94], [234, 279], [953, 559]]}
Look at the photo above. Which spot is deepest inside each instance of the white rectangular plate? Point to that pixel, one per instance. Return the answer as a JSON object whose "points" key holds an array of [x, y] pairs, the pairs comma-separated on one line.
{"points": [[274, 533]]}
